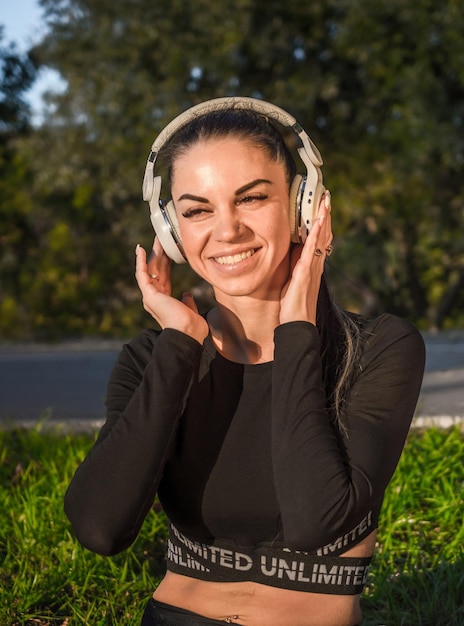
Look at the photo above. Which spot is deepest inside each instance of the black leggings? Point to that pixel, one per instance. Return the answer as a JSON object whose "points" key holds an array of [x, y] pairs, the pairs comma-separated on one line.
{"points": [[160, 614]]}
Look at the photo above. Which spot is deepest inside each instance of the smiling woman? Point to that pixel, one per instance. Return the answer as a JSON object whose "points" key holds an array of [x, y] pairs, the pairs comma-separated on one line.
{"points": [[269, 427], [236, 236]]}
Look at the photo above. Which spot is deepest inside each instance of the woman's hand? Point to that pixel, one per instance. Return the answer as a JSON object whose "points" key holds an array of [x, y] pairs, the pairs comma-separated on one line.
{"points": [[299, 295], [154, 281]]}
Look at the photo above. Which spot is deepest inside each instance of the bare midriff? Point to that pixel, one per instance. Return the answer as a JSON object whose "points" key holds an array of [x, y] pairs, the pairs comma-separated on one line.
{"points": [[255, 604]]}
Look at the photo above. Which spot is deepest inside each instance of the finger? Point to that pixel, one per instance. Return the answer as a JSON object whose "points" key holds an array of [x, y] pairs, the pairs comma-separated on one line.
{"points": [[159, 263], [156, 249], [328, 222], [140, 261], [323, 212], [157, 252], [319, 237], [322, 236], [142, 275], [316, 247], [313, 241], [295, 256], [327, 200], [189, 301]]}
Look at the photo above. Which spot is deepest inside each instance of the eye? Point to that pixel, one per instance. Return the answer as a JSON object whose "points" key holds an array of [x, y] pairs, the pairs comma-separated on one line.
{"points": [[251, 197], [194, 212]]}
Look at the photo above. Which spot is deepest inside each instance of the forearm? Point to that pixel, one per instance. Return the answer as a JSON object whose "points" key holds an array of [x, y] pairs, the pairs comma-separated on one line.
{"points": [[325, 481], [308, 465], [115, 486]]}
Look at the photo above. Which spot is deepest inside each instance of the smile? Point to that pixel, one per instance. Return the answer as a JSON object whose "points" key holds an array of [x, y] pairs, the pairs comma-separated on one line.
{"points": [[235, 258]]}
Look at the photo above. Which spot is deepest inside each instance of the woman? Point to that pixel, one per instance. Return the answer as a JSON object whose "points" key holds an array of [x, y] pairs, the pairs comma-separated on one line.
{"points": [[271, 426]]}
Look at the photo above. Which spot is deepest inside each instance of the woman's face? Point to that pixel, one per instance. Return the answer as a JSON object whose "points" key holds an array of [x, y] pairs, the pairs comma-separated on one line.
{"points": [[232, 204]]}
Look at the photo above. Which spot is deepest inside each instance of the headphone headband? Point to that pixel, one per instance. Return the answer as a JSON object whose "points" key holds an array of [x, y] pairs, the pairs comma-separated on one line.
{"points": [[308, 192], [250, 104]]}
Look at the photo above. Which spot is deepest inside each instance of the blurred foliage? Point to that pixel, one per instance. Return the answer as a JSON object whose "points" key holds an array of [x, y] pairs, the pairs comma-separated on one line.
{"points": [[17, 73], [379, 87]]}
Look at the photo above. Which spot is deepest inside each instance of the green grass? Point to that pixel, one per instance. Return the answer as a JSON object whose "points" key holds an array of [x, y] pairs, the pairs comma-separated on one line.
{"points": [[46, 578]]}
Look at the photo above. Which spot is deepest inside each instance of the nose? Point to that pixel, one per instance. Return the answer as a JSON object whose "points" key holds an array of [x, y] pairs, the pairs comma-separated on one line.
{"points": [[228, 225]]}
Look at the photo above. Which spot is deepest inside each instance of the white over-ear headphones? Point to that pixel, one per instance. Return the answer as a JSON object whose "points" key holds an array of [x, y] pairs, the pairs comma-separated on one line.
{"points": [[305, 191]]}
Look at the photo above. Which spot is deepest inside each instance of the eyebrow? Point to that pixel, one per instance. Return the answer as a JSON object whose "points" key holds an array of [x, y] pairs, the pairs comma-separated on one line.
{"points": [[239, 191]]}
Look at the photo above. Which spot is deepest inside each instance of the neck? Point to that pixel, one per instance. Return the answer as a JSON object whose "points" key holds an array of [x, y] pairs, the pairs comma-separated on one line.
{"points": [[243, 330]]}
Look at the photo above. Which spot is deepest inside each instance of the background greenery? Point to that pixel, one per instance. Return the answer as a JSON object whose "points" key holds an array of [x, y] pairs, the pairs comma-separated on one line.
{"points": [[47, 579], [378, 85]]}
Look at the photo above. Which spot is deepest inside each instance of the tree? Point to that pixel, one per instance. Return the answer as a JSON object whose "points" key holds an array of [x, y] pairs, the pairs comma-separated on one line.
{"points": [[385, 108], [17, 73], [411, 116]]}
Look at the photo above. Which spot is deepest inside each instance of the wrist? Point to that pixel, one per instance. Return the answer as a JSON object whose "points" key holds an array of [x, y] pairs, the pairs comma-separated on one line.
{"points": [[195, 332], [297, 316]]}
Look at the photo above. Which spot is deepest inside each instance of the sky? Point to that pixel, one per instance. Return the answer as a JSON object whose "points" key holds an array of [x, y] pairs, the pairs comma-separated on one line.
{"points": [[23, 23], [22, 20]]}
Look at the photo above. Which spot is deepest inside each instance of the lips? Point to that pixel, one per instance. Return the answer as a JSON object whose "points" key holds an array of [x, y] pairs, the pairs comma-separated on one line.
{"points": [[232, 259]]}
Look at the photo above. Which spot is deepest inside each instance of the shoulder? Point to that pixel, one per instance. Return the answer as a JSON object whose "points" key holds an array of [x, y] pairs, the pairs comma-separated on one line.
{"points": [[393, 342], [161, 344], [388, 329], [144, 342], [140, 348]]}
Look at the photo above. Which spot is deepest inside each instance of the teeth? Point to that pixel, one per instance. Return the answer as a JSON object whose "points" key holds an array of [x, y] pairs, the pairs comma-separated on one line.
{"points": [[235, 258]]}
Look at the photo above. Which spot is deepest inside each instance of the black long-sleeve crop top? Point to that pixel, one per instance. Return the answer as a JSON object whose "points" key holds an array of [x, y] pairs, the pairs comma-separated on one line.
{"points": [[246, 454]]}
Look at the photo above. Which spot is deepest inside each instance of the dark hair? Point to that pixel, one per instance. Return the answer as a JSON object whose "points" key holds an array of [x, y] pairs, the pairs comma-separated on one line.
{"points": [[244, 124], [339, 331], [342, 337]]}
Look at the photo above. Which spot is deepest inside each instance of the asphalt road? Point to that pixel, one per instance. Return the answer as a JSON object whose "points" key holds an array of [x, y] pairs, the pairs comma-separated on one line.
{"points": [[67, 383]]}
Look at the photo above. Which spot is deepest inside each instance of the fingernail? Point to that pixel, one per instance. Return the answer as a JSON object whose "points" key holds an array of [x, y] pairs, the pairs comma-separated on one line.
{"points": [[327, 199], [137, 248]]}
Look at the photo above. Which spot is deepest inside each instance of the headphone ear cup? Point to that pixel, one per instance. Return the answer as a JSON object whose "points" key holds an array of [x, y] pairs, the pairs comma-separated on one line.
{"points": [[165, 223], [175, 232], [295, 207], [172, 217]]}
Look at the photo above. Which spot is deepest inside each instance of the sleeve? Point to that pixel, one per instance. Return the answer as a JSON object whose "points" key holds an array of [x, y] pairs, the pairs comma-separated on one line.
{"points": [[115, 486], [325, 483]]}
